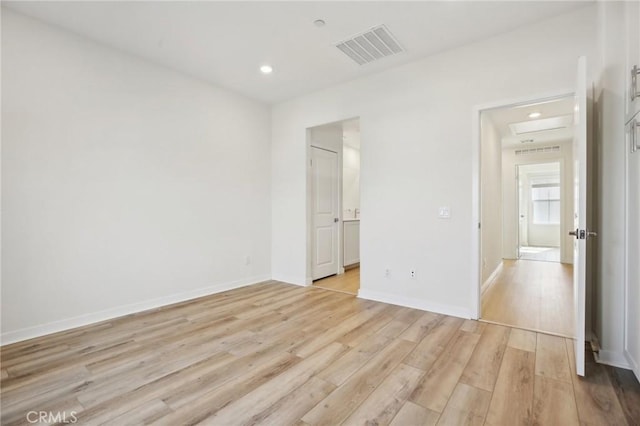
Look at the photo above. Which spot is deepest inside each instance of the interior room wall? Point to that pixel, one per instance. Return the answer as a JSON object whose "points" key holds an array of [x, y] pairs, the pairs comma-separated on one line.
{"points": [[416, 120], [124, 185], [510, 199], [490, 197]]}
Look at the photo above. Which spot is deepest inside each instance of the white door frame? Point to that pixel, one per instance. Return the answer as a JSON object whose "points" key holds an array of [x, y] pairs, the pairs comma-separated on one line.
{"points": [[476, 183], [309, 215]]}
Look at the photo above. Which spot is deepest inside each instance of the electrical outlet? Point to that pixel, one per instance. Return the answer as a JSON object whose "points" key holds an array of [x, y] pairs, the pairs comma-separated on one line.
{"points": [[444, 212], [387, 272], [412, 273]]}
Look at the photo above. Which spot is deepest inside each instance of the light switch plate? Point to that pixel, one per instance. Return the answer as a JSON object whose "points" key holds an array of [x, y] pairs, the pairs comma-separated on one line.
{"points": [[444, 212]]}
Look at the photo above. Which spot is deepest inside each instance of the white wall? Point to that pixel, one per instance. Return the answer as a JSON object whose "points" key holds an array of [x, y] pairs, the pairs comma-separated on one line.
{"points": [[124, 185], [328, 136], [491, 197], [544, 235], [417, 123], [510, 201]]}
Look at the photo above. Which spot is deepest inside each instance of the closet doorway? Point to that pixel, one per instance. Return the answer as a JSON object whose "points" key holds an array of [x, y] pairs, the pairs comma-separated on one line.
{"points": [[334, 205]]}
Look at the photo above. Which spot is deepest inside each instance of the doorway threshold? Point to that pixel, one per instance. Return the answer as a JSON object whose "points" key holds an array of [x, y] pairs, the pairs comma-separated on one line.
{"points": [[535, 330], [335, 290]]}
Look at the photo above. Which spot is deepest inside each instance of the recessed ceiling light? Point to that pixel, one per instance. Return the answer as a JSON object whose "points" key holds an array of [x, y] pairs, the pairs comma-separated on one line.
{"points": [[319, 23], [535, 115], [266, 69]]}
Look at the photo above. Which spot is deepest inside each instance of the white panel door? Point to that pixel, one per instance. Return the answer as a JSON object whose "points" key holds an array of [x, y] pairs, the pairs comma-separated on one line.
{"points": [[325, 207], [580, 232]]}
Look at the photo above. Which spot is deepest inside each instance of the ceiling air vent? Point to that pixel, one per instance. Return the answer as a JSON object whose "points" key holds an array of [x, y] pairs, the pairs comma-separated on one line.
{"points": [[555, 148], [371, 45]]}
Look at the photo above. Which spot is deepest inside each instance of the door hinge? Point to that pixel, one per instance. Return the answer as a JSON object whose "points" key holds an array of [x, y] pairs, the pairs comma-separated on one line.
{"points": [[478, 225]]}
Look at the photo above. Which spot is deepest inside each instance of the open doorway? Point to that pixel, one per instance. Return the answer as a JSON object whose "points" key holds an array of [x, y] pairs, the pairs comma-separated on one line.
{"points": [[334, 205], [526, 199], [539, 211]]}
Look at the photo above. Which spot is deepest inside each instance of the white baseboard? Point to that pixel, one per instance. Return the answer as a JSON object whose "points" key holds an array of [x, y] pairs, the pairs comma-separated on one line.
{"points": [[612, 358], [633, 364], [107, 314], [292, 280], [485, 285], [423, 305]]}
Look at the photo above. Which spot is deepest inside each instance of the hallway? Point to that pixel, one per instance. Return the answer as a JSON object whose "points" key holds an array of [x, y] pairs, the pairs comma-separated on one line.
{"points": [[532, 295]]}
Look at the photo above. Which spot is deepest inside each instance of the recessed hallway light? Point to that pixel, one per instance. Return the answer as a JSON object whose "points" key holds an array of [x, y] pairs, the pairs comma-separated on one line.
{"points": [[535, 115], [266, 69]]}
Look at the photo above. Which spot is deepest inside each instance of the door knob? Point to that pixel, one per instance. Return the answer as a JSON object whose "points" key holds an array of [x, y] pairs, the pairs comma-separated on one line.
{"points": [[582, 234]]}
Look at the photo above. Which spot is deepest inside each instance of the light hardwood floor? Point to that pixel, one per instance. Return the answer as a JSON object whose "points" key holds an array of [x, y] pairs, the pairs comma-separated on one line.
{"points": [[349, 282], [533, 295], [278, 354], [546, 254]]}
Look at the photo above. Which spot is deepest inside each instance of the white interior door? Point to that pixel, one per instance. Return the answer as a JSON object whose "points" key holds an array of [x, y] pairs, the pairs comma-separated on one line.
{"points": [[325, 207], [580, 232]]}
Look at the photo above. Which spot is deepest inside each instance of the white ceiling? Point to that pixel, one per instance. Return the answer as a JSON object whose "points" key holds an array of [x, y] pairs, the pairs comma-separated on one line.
{"points": [[225, 42], [501, 118]]}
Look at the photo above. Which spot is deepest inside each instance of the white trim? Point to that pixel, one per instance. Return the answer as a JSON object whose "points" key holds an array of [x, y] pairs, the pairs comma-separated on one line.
{"points": [[94, 317], [612, 358], [476, 272], [475, 184], [408, 302], [302, 282], [633, 365], [491, 278]]}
